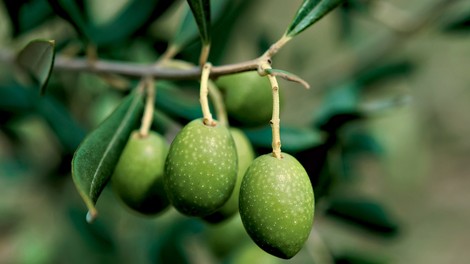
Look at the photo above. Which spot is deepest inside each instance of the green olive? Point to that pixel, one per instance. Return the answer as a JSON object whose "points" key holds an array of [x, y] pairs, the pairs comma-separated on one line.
{"points": [[277, 204], [201, 168], [245, 156], [138, 176], [248, 97]]}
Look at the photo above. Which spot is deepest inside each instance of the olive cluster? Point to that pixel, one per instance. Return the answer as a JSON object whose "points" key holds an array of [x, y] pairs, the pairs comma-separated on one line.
{"points": [[209, 171]]}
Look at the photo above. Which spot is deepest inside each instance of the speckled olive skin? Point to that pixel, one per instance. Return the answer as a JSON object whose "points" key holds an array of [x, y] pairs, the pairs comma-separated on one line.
{"points": [[201, 168], [277, 204], [245, 155], [138, 176]]}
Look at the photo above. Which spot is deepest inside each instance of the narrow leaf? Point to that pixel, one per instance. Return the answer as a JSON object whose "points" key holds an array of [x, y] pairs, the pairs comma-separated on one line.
{"points": [[365, 213], [94, 161], [73, 12], [310, 12], [27, 15], [339, 106], [136, 15], [461, 25], [188, 29], [65, 127], [202, 14], [37, 60], [386, 71], [176, 103], [293, 139]]}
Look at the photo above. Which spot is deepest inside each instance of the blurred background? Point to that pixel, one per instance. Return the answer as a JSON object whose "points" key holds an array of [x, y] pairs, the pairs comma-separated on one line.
{"points": [[383, 131]]}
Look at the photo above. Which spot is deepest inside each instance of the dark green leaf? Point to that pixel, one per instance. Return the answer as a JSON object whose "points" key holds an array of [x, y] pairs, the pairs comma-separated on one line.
{"points": [[459, 25], [136, 15], [202, 14], [74, 13], [15, 98], [94, 161], [386, 71], [222, 31], [310, 12], [164, 124], [292, 139], [68, 131], [176, 103], [355, 257], [37, 61], [361, 142], [364, 213], [188, 29], [341, 100], [26, 15]]}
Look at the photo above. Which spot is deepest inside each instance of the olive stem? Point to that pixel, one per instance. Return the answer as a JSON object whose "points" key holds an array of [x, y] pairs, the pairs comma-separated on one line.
{"points": [[147, 118], [204, 54], [218, 101], [204, 91], [275, 120], [274, 48]]}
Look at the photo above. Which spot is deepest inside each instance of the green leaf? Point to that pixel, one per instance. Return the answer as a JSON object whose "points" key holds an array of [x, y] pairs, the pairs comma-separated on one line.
{"points": [[364, 213], [188, 29], [202, 14], [136, 15], [355, 257], [164, 124], [37, 60], [74, 12], [68, 131], [26, 15], [362, 142], [15, 98], [94, 161], [460, 25], [341, 100], [310, 12], [177, 103], [385, 71], [293, 139]]}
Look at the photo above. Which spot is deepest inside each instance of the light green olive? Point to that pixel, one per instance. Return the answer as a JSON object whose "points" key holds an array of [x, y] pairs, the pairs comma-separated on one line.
{"points": [[138, 176]]}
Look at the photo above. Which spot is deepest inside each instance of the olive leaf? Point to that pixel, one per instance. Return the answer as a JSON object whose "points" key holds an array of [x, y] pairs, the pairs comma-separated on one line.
{"points": [[293, 139], [187, 30], [202, 14], [460, 25], [65, 127], [342, 100], [27, 15], [136, 14], [365, 213], [177, 103], [310, 12], [37, 60], [94, 161]]}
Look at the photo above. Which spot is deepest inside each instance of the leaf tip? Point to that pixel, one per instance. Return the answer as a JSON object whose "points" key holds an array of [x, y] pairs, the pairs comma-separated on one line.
{"points": [[91, 215]]}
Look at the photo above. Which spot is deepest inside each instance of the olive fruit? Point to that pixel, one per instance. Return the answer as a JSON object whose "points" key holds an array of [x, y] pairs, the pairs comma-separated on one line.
{"points": [[277, 204], [201, 168], [245, 156], [138, 177], [248, 97]]}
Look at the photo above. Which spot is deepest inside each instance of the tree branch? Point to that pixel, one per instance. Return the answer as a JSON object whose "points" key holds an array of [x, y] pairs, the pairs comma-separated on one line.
{"points": [[63, 63]]}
